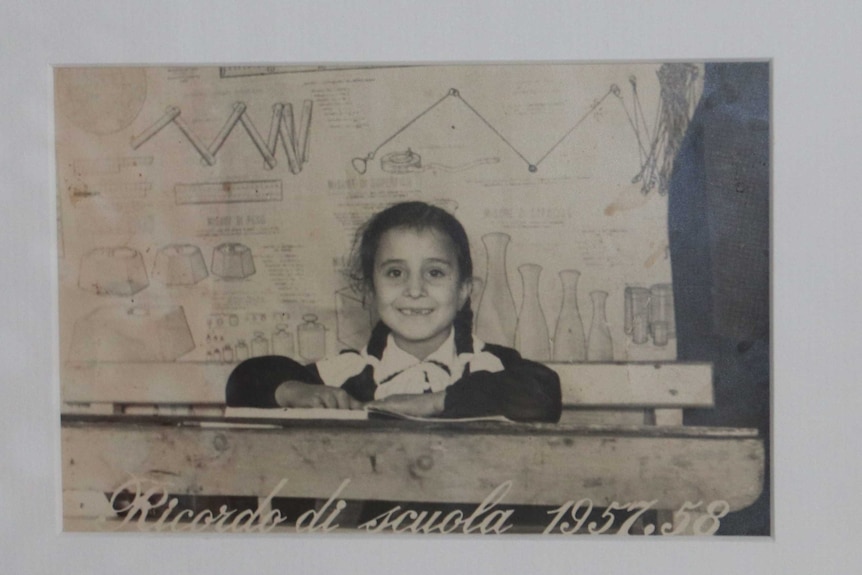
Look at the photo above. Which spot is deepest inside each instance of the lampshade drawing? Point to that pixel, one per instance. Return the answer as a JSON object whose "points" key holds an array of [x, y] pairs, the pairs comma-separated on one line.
{"points": [[232, 261], [132, 334], [116, 271], [179, 265]]}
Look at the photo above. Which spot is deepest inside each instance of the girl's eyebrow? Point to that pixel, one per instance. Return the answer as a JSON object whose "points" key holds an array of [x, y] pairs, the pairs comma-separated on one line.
{"points": [[427, 261]]}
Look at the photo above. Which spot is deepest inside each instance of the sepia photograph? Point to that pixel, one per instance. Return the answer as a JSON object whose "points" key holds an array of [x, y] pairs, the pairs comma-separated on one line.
{"points": [[392, 287], [453, 298]]}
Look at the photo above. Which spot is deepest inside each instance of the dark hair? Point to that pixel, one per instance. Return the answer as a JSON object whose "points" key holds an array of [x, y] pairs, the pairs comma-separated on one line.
{"points": [[413, 216]]}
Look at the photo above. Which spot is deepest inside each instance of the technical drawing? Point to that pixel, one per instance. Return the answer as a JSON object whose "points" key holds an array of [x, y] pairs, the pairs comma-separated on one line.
{"points": [[496, 319], [531, 333], [179, 265], [245, 71], [312, 338], [232, 261], [115, 271], [295, 142], [353, 319], [600, 346], [658, 148], [649, 312], [132, 334], [360, 164], [569, 341], [100, 100], [228, 192], [411, 162]]}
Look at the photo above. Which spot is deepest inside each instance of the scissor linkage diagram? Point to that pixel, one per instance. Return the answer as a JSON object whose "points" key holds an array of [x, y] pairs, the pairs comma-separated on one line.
{"points": [[282, 127]]}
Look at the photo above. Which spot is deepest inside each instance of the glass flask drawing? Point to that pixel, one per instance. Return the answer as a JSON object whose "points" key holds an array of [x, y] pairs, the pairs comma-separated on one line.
{"points": [[570, 344], [312, 338], [496, 319], [259, 345], [640, 305], [661, 313], [531, 332], [227, 354], [600, 347], [282, 341], [241, 350]]}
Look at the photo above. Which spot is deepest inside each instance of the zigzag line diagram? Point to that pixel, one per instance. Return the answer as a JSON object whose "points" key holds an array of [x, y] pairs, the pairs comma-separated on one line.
{"points": [[282, 127], [656, 147]]}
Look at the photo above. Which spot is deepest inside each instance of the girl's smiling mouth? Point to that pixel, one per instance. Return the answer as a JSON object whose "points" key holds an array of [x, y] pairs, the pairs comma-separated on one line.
{"points": [[416, 311]]}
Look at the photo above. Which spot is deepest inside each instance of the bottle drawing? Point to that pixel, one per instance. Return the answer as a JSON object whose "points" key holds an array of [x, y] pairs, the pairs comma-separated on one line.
{"points": [[660, 313], [476, 297], [312, 338], [600, 347], [227, 354], [259, 345], [282, 341], [496, 319], [640, 313], [569, 341], [531, 332], [241, 350]]}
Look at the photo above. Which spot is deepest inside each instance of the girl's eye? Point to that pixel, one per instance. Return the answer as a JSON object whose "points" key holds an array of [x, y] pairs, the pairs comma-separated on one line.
{"points": [[437, 273], [393, 273]]}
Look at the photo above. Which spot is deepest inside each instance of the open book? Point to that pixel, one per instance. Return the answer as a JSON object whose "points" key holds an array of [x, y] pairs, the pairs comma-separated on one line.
{"points": [[352, 414]]}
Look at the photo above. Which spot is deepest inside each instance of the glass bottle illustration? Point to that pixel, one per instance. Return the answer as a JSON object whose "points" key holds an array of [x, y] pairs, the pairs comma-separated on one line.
{"points": [[241, 350], [569, 341], [496, 319], [531, 332], [476, 298], [312, 338], [282, 341], [259, 345], [640, 305], [227, 354], [660, 313], [600, 347]]}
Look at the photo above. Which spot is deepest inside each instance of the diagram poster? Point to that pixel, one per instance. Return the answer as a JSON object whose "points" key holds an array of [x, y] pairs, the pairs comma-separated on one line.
{"points": [[617, 222]]}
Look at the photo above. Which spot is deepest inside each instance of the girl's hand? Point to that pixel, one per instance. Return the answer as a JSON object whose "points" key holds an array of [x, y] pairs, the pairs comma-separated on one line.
{"points": [[298, 394], [416, 405]]}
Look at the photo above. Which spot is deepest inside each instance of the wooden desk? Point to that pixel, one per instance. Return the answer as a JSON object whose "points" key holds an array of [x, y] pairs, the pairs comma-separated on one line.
{"points": [[397, 460]]}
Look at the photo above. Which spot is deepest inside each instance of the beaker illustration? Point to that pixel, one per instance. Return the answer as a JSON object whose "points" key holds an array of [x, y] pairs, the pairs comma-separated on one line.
{"points": [[227, 354], [661, 313], [569, 341], [531, 332], [640, 306], [496, 319], [259, 345], [282, 341], [312, 338], [600, 347], [241, 350]]}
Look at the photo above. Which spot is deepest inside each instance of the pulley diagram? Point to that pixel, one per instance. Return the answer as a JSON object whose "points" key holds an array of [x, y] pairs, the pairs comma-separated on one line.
{"points": [[294, 139]]}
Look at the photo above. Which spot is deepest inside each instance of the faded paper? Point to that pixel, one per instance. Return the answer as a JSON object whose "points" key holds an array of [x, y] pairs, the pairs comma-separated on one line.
{"points": [[206, 213]]}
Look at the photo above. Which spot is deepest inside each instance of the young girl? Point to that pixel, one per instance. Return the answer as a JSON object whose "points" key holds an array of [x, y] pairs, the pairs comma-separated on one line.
{"points": [[412, 260]]}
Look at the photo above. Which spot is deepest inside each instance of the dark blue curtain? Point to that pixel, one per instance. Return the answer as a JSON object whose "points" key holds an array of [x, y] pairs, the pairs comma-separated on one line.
{"points": [[718, 225]]}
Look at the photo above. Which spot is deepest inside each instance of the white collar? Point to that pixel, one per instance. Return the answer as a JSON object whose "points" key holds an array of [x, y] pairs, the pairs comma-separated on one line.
{"points": [[396, 360]]}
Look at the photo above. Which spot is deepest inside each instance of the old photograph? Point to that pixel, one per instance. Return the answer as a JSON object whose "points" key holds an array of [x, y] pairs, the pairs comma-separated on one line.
{"points": [[478, 299]]}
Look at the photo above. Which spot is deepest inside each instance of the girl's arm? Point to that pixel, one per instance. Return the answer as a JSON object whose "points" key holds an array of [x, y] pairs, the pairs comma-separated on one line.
{"points": [[524, 391], [253, 383]]}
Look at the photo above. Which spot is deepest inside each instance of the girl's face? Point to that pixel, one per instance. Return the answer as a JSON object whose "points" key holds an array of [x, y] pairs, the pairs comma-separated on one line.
{"points": [[417, 288]]}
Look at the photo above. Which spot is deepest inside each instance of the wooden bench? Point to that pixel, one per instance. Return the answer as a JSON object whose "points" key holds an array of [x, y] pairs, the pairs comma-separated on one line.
{"points": [[621, 439]]}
